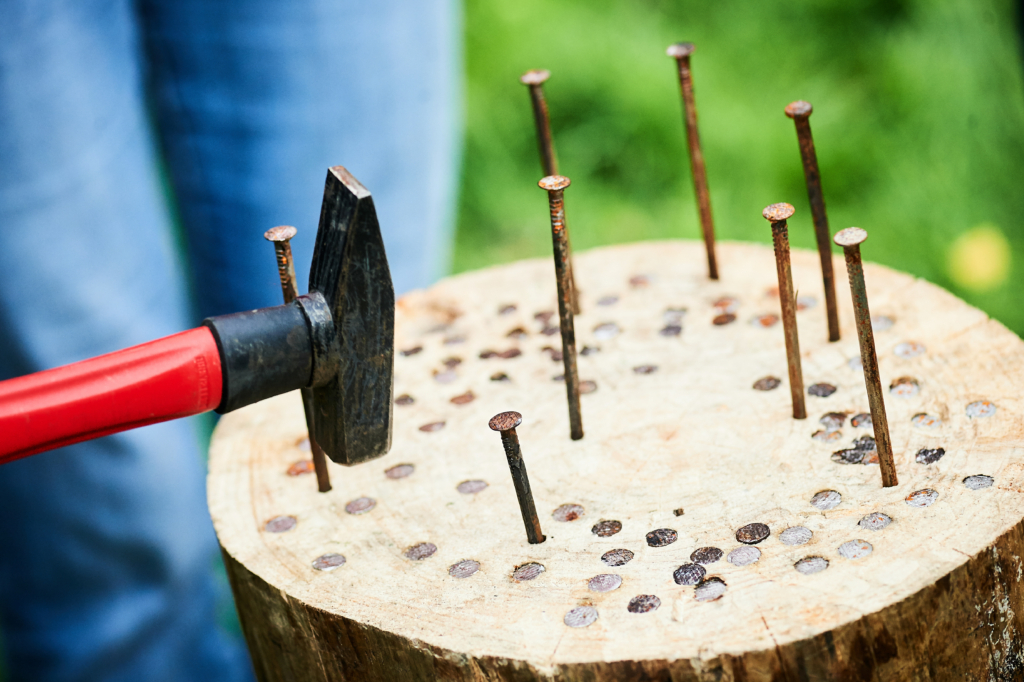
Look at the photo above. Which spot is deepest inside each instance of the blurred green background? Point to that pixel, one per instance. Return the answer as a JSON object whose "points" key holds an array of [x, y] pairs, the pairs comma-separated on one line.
{"points": [[918, 122]]}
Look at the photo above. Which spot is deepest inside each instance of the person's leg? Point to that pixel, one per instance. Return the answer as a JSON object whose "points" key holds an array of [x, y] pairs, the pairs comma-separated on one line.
{"points": [[106, 547], [256, 98]]}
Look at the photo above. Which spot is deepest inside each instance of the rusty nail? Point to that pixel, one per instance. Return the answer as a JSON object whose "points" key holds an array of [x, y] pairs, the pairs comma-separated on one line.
{"points": [[534, 79], [681, 52], [777, 214], [555, 186], [800, 112], [281, 237], [850, 239], [506, 423]]}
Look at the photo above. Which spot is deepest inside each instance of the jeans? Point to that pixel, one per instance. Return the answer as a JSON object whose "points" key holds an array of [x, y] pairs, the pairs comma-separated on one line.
{"points": [[120, 120]]}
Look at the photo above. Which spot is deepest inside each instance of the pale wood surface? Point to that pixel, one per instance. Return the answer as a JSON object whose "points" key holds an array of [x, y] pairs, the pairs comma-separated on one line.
{"points": [[692, 435]]}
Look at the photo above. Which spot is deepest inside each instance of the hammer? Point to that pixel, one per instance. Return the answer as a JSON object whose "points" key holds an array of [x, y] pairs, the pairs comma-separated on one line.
{"points": [[337, 340]]}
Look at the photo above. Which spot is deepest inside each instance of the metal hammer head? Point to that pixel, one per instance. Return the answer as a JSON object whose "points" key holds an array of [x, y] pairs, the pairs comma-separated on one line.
{"points": [[353, 406]]}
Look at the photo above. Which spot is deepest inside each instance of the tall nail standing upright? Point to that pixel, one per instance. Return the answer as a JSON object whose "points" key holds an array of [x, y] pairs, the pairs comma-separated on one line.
{"points": [[534, 79], [506, 423], [555, 186], [777, 215], [800, 112], [850, 239], [281, 237], [681, 52]]}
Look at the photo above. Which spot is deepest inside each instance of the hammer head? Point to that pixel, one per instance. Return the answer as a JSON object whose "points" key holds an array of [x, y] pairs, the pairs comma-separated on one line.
{"points": [[353, 406]]}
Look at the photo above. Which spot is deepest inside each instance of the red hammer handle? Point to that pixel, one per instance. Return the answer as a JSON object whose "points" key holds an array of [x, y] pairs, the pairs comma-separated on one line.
{"points": [[172, 377]]}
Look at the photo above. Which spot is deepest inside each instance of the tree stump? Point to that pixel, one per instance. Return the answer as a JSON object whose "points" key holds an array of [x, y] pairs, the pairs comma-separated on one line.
{"points": [[696, 532]]}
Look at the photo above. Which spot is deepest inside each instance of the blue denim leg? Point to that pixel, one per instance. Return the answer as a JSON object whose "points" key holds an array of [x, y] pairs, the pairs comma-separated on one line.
{"points": [[256, 98], [106, 548]]}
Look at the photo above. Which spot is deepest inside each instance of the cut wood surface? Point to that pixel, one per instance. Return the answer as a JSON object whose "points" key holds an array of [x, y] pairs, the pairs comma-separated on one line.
{"points": [[854, 581]]}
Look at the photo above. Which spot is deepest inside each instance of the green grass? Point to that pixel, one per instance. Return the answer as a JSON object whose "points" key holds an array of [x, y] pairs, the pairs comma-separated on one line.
{"points": [[918, 122]]}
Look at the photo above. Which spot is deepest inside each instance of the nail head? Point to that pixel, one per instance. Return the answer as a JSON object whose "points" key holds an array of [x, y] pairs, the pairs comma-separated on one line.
{"points": [[281, 233], [679, 50], [778, 212], [505, 421], [799, 109], [535, 77], [553, 182], [851, 236]]}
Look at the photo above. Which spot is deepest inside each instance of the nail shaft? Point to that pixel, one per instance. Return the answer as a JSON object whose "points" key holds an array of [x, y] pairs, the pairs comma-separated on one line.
{"points": [[281, 238], [777, 214], [506, 423], [534, 80], [850, 239], [682, 52], [555, 186], [800, 112]]}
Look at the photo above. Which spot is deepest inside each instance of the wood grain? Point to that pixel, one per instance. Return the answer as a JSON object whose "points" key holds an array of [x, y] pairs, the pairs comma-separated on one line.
{"points": [[938, 597]]}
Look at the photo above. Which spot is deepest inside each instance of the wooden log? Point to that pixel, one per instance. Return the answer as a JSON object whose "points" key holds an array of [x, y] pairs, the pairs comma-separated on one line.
{"points": [[853, 581]]}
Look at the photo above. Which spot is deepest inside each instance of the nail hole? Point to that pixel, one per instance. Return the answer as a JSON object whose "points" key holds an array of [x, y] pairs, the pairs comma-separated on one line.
{"points": [[507, 309], [510, 353], [821, 390], [404, 399], [606, 529], [420, 551], [743, 556], [445, 377], [555, 355], [360, 505], [826, 436], [864, 451], [922, 498], [607, 300], [661, 537], [587, 387], [706, 555], [471, 487], [463, 399], [723, 319], [488, 354], [671, 330], [411, 351], [454, 340], [567, 512], [432, 427], [689, 574], [527, 572], [882, 323], [711, 589], [645, 369], [855, 549], [500, 376], [452, 362], [606, 582], [544, 316], [678, 512], [580, 617], [640, 281], [929, 455], [811, 564], [674, 315], [549, 331], [833, 421], [980, 409], [328, 562], [303, 466], [805, 302], [798, 535], [606, 330], [862, 421], [904, 387], [589, 350], [643, 603], [978, 481], [875, 521], [400, 471], [765, 321], [753, 533], [826, 500], [926, 421], [726, 304], [517, 333], [767, 383], [464, 568], [303, 444], [617, 557], [909, 349], [280, 524]]}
